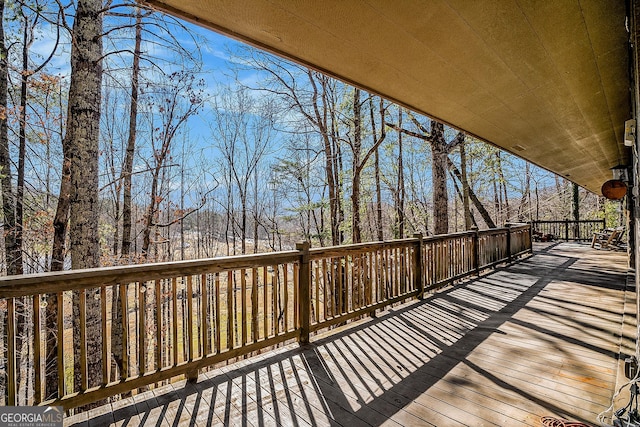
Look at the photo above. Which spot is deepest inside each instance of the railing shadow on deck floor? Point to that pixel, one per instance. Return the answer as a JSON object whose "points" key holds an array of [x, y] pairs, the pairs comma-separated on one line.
{"points": [[368, 373]]}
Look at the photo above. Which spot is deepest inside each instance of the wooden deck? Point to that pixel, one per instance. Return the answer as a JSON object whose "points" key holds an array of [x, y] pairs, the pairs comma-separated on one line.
{"points": [[539, 338]]}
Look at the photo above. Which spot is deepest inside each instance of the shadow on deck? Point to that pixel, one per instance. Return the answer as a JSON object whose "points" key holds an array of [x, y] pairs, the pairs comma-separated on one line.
{"points": [[538, 338]]}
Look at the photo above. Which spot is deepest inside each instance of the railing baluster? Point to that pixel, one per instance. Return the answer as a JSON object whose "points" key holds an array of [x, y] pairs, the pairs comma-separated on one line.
{"points": [[105, 340], [159, 326], [205, 330], [230, 313], [369, 263], [296, 305], [60, 344], [362, 281], [265, 303], [254, 304], [342, 296], [390, 271], [285, 280], [11, 352], [397, 256], [83, 340], [142, 327], [243, 305], [383, 271], [274, 294], [122, 288], [317, 297], [376, 278], [325, 288], [217, 313], [190, 333], [356, 282], [418, 278], [400, 270], [348, 284], [174, 320], [37, 346], [189, 319]]}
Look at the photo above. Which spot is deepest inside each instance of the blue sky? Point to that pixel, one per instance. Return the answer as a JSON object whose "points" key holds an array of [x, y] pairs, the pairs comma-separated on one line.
{"points": [[213, 48]]}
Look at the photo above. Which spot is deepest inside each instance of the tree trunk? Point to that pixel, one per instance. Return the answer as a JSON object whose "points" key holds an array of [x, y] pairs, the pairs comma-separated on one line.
{"points": [[8, 206], [127, 169], [83, 128], [400, 191], [465, 188], [356, 148], [61, 219], [461, 197], [150, 214], [84, 121], [243, 219], [379, 230], [22, 143], [324, 119], [525, 201], [13, 253], [503, 186], [256, 219], [125, 175], [472, 195], [439, 179]]}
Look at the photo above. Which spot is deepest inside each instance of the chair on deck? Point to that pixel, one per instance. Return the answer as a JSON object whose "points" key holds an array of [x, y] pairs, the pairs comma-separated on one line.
{"points": [[610, 238]]}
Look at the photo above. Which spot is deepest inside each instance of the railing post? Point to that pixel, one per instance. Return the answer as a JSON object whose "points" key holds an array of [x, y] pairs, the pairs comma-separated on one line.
{"points": [[566, 229], [476, 249], [419, 266], [304, 282], [530, 238], [508, 227]]}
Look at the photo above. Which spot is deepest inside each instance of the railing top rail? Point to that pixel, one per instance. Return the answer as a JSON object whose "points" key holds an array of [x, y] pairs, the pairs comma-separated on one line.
{"points": [[39, 283], [341, 250], [492, 231], [448, 236], [519, 227]]}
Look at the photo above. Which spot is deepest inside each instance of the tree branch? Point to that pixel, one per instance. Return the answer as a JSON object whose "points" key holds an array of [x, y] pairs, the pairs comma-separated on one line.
{"points": [[408, 132]]}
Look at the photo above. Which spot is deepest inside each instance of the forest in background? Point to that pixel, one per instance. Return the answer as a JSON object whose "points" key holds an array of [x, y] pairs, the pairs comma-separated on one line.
{"points": [[249, 154]]}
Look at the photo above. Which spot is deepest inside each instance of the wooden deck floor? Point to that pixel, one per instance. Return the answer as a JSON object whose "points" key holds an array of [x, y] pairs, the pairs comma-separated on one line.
{"points": [[539, 338]]}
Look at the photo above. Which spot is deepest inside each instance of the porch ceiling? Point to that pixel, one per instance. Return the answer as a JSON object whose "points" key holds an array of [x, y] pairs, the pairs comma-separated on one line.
{"points": [[546, 80]]}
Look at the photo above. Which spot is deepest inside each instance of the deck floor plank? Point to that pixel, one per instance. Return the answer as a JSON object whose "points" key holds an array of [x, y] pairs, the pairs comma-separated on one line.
{"points": [[541, 337]]}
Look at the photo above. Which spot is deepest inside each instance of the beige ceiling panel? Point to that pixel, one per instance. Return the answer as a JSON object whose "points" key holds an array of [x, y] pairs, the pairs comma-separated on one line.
{"points": [[504, 27], [547, 75]]}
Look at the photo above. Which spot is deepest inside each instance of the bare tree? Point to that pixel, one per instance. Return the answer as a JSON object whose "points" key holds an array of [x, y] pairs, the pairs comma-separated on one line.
{"points": [[313, 97], [359, 160], [174, 103], [440, 150], [127, 168], [243, 134]]}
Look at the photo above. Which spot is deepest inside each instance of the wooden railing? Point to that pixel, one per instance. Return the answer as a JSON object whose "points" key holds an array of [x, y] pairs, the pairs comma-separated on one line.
{"points": [[140, 325], [567, 229]]}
